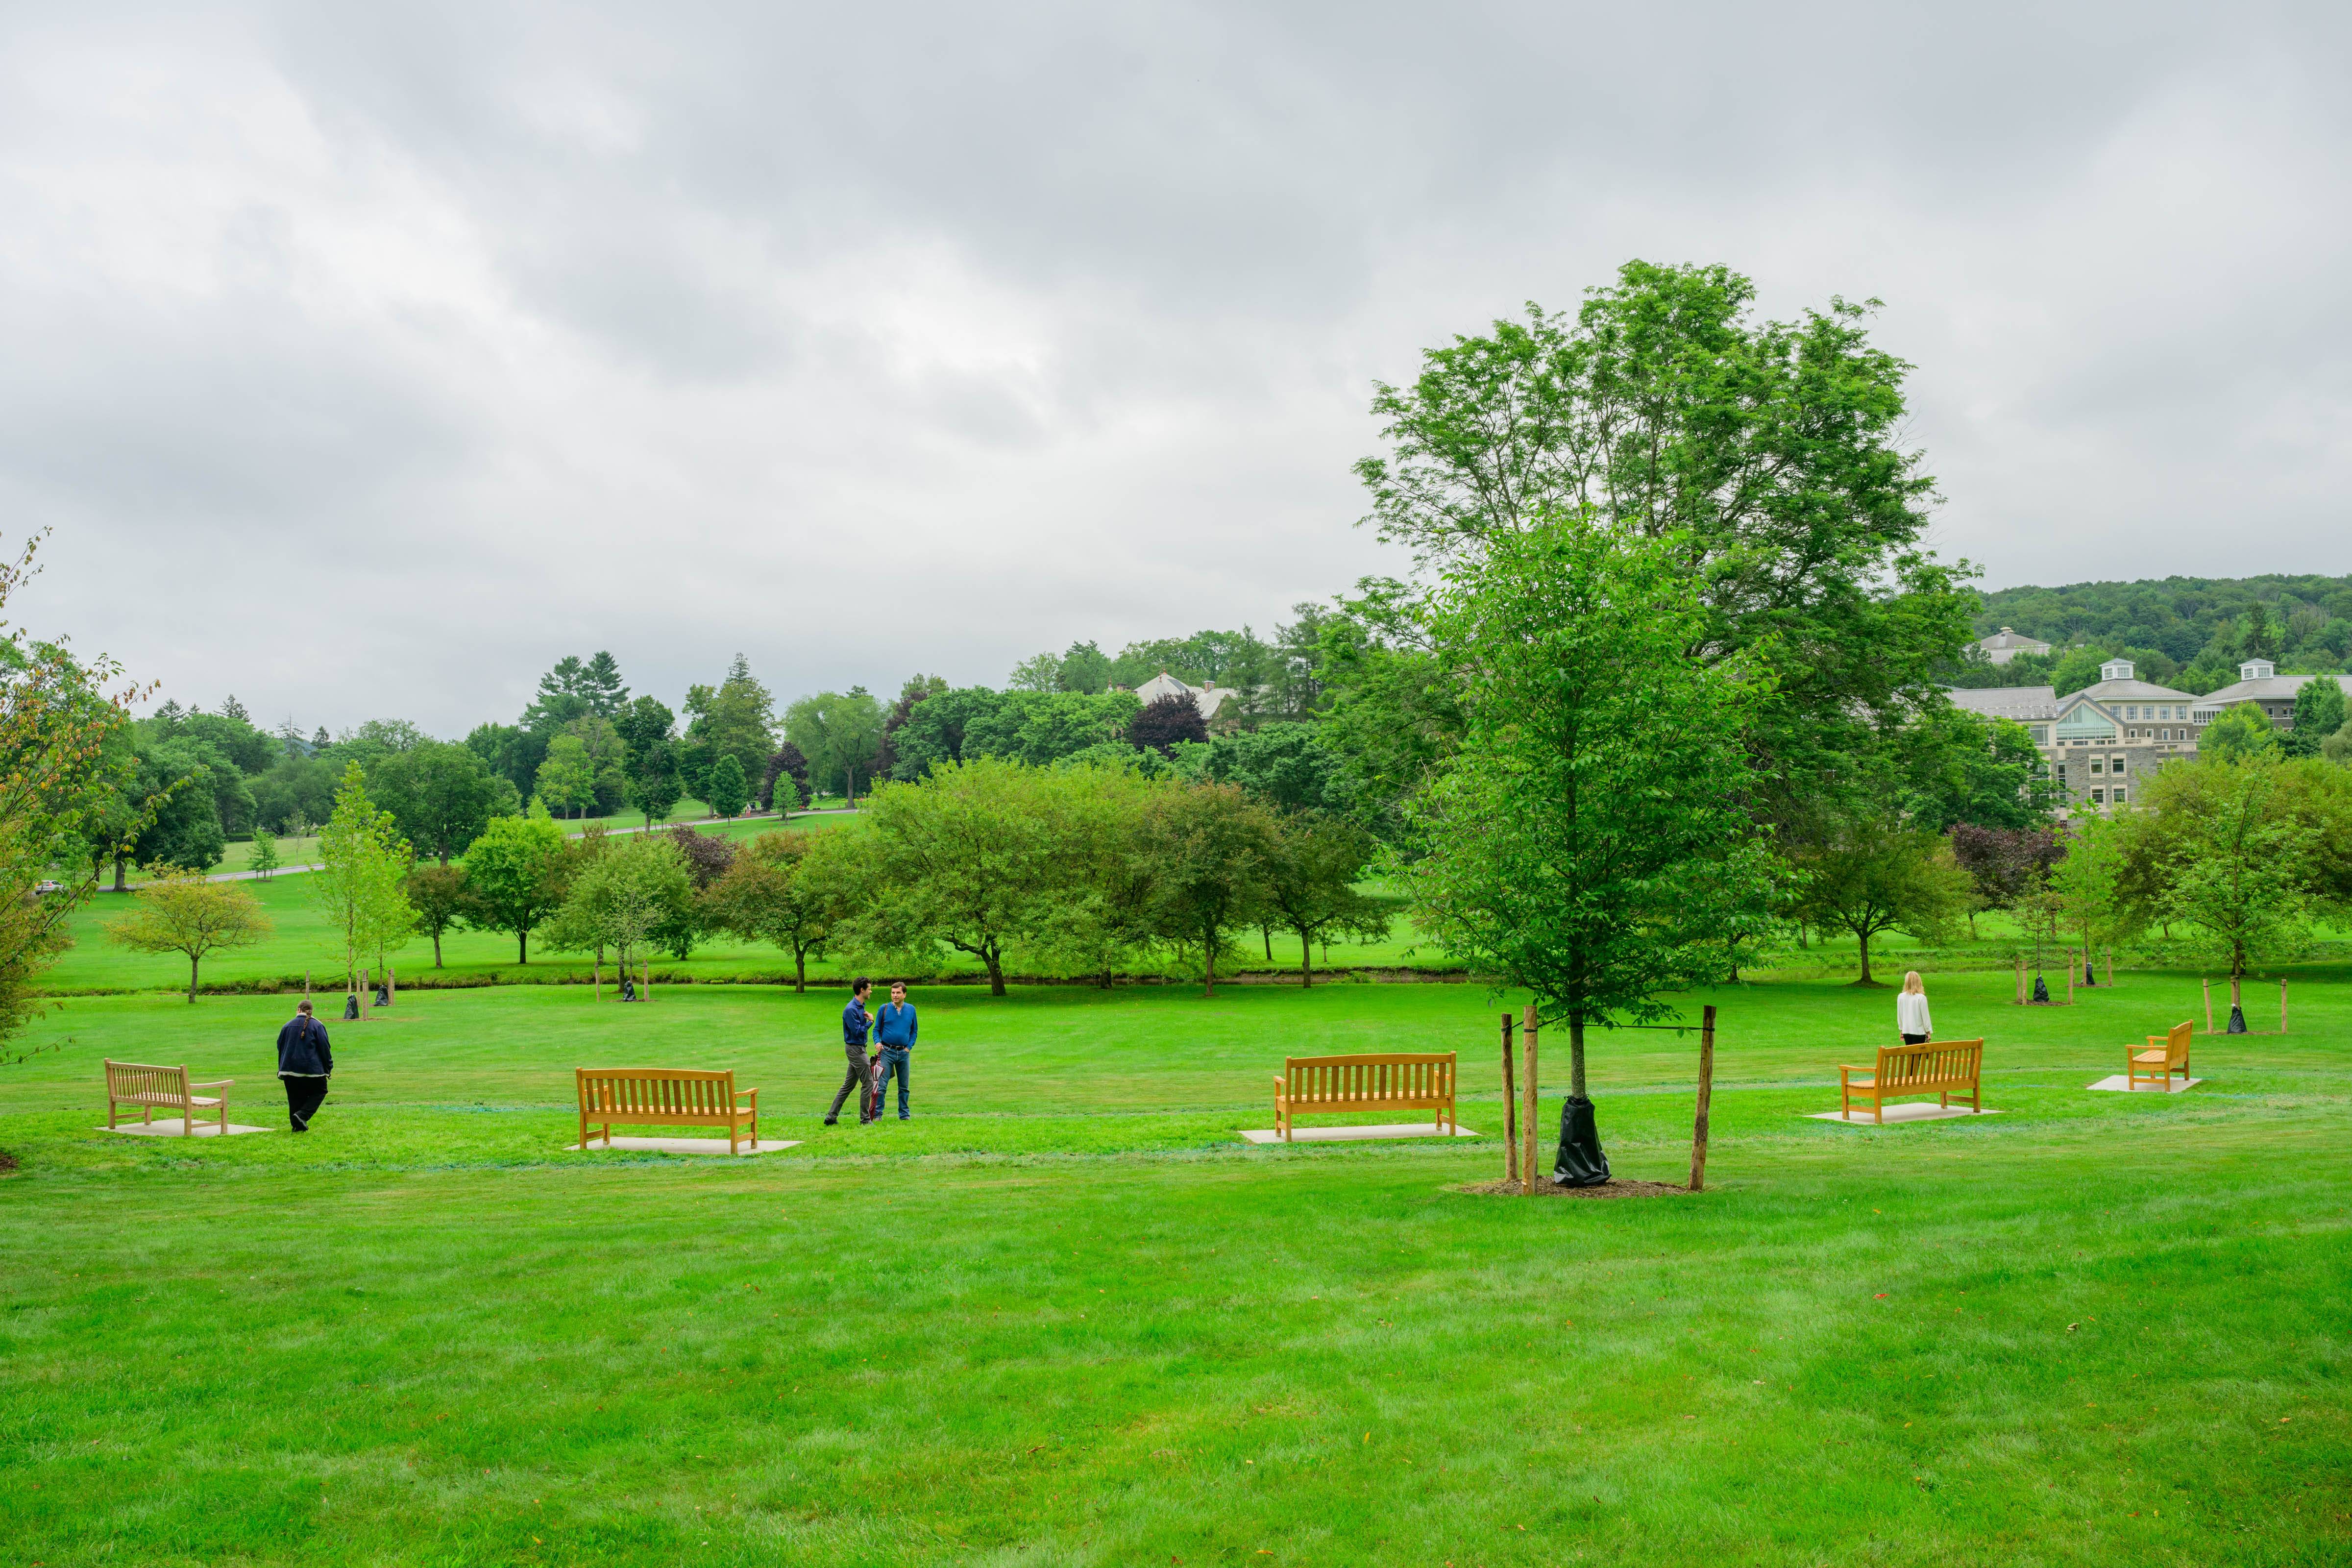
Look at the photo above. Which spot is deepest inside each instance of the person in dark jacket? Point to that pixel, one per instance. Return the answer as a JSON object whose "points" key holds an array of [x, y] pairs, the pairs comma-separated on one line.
{"points": [[893, 1031], [856, 1025], [304, 1062]]}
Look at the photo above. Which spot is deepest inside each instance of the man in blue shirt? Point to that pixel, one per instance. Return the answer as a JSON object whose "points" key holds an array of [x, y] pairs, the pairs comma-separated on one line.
{"points": [[894, 1030], [856, 1025]]}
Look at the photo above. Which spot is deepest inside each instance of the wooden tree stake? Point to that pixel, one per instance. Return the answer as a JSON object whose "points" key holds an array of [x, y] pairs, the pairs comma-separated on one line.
{"points": [[1706, 1094], [1527, 1028], [2207, 982], [1510, 1110], [2021, 979], [595, 980], [2111, 966], [2281, 1003]]}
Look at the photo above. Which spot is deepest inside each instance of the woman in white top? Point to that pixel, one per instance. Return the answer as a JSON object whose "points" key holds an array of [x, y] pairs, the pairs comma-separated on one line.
{"points": [[1911, 1011]]}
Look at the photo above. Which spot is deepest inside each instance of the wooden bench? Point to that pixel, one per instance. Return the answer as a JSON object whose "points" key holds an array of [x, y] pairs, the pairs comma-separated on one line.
{"points": [[667, 1097], [1943, 1068], [2169, 1055], [153, 1088], [1404, 1081]]}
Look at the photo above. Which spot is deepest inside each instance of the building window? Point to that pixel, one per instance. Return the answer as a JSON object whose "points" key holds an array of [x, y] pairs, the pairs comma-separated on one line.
{"points": [[2119, 795], [2098, 797], [2098, 766], [2116, 766], [2062, 775]]}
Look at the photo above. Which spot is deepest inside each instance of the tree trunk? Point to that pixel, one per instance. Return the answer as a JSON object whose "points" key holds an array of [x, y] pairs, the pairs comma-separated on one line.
{"points": [[990, 956], [119, 886], [1267, 933], [800, 971], [523, 947], [436, 949], [191, 980], [1865, 939], [1209, 962], [1305, 960], [1576, 1055]]}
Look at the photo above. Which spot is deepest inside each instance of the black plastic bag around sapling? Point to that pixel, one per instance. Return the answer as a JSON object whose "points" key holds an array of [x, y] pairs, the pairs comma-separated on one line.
{"points": [[1580, 1163]]}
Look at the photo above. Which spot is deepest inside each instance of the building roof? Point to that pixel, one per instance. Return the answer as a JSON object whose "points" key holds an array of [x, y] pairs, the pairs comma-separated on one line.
{"points": [[2268, 688], [2023, 703], [2129, 690], [2010, 641], [1207, 699]]}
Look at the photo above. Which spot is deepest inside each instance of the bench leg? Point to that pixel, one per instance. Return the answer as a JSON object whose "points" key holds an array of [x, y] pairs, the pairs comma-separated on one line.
{"points": [[1878, 1110]]}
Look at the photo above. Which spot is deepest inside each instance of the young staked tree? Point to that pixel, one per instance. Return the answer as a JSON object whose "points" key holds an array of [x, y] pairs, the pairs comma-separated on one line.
{"points": [[264, 860], [179, 911], [2089, 881], [514, 878], [2241, 880], [1310, 884], [358, 887], [791, 889], [1590, 838], [621, 897]]}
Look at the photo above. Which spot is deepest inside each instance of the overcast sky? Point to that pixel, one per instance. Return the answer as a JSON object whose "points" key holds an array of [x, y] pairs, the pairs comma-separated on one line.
{"points": [[367, 359]]}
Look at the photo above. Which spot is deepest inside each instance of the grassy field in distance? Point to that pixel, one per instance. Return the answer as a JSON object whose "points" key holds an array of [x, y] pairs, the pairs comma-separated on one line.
{"points": [[1066, 1316]]}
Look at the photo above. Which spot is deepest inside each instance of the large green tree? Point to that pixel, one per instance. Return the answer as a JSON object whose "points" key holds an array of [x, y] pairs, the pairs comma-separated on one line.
{"points": [[791, 889], [1208, 847], [2318, 713], [514, 878], [1768, 453], [64, 769], [1590, 840], [441, 795], [1868, 871], [180, 911], [2242, 882], [840, 734], [1308, 884], [974, 859]]}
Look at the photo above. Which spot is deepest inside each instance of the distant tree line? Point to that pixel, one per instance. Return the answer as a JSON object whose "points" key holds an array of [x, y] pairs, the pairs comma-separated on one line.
{"points": [[2189, 633]]}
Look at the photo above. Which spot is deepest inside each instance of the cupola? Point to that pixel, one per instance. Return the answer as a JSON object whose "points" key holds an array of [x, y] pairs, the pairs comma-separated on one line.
{"points": [[2115, 669], [2257, 669]]}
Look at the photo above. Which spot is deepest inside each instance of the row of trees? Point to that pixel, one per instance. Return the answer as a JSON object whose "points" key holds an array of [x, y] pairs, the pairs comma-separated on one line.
{"points": [[2188, 632]]}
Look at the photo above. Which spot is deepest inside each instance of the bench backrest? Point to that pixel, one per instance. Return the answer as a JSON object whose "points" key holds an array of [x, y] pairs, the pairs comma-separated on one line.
{"points": [[651, 1092], [2176, 1044], [1369, 1080], [140, 1081], [1936, 1062]]}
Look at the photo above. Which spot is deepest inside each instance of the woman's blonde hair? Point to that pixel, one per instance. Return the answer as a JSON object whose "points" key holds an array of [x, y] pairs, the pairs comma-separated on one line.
{"points": [[1913, 985]]}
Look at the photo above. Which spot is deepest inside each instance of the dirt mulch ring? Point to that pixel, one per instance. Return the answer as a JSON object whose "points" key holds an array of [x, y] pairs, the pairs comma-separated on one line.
{"points": [[7, 1162], [1609, 1189]]}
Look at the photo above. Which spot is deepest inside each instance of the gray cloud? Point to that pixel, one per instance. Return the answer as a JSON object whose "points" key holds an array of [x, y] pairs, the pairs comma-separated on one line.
{"points": [[368, 359]]}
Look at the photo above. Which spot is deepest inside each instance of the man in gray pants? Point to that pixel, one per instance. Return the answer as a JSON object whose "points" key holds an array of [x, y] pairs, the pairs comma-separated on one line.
{"points": [[857, 1024]]}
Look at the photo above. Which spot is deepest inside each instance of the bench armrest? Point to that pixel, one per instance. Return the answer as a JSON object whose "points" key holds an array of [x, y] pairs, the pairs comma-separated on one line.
{"points": [[223, 1083], [751, 1094]]}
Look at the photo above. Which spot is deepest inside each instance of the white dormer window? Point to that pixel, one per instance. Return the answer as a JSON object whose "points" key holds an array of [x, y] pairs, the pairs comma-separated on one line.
{"points": [[2115, 669], [2257, 669]]}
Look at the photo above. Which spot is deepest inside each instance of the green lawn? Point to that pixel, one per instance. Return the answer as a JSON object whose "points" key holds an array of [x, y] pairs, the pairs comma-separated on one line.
{"points": [[1065, 1316]]}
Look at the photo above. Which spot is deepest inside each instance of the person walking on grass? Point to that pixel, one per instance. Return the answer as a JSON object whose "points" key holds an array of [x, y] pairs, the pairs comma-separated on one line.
{"points": [[305, 1060], [856, 1025], [893, 1031], [1911, 1011]]}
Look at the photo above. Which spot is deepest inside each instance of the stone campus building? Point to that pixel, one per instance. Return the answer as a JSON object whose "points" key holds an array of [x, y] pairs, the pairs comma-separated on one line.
{"points": [[2100, 741]]}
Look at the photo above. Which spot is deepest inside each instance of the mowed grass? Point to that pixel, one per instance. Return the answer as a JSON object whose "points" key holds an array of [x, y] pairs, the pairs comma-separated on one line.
{"points": [[1065, 1316]]}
